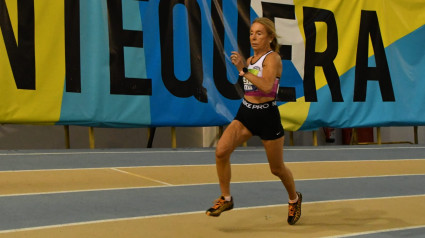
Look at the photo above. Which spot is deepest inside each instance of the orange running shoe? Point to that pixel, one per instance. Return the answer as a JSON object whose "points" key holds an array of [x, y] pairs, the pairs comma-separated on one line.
{"points": [[294, 210], [220, 206]]}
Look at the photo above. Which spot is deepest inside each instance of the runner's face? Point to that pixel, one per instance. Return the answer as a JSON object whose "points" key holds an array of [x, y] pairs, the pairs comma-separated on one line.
{"points": [[259, 38]]}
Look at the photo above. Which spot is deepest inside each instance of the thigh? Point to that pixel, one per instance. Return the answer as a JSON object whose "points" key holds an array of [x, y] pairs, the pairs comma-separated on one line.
{"points": [[234, 135], [271, 128]]}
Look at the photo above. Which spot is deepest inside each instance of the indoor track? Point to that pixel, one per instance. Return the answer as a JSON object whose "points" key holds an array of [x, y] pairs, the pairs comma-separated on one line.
{"points": [[348, 191]]}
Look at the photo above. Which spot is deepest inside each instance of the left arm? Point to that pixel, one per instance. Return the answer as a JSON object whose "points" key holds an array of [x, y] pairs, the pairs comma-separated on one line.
{"points": [[272, 68]]}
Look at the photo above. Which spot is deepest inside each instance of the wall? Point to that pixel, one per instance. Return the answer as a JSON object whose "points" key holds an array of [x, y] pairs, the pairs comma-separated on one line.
{"points": [[29, 137]]}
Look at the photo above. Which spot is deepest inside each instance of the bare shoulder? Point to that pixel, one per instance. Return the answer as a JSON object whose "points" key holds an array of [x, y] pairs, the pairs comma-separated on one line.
{"points": [[249, 60], [273, 59], [275, 56], [273, 62]]}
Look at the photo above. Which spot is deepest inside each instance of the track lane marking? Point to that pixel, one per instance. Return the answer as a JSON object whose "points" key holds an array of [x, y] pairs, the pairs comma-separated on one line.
{"points": [[37, 182], [316, 222], [205, 151], [194, 184], [141, 176], [377, 231], [211, 164]]}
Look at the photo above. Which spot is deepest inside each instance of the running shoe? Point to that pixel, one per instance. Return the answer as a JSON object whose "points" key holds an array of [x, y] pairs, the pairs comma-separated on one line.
{"points": [[294, 210], [220, 206]]}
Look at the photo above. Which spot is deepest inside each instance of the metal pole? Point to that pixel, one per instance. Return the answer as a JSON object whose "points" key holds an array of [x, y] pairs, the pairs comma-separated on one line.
{"points": [[173, 138], [91, 137], [415, 133], [291, 138], [67, 142], [354, 138], [151, 134], [315, 138], [378, 135], [220, 131]]}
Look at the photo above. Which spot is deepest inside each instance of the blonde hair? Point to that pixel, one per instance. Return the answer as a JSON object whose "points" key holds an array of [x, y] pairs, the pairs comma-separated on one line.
{"points": [[271, 30]]}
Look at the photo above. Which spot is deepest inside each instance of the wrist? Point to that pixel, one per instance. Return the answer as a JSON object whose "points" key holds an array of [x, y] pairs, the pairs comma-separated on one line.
{"points": [[243, 71]]}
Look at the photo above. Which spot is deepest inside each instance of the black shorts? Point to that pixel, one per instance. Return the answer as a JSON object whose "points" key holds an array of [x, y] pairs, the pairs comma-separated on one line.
{"points": [[261, 120]]}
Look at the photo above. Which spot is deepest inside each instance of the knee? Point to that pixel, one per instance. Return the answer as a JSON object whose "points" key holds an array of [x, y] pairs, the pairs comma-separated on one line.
{"points": [[278, 171], [222, 153]]}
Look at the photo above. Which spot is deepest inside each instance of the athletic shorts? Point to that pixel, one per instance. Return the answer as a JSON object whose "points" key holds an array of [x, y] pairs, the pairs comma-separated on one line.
{"points": [[261, 120]]}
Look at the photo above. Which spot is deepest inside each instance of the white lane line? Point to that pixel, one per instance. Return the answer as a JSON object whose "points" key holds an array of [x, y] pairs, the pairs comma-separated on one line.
{"points": [[377, 231], [355, 148], [203, 151], [99, 152], [141, 176], [189, 213], [197, 184], [96, 222], [200, 165]]}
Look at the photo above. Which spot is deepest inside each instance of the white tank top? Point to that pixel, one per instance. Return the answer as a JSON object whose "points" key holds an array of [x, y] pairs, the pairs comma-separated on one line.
{"points": [[257, 69]]}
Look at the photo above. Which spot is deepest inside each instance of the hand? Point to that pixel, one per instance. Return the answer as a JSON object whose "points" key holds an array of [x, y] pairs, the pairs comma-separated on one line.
{"points": [[237, 60]]}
